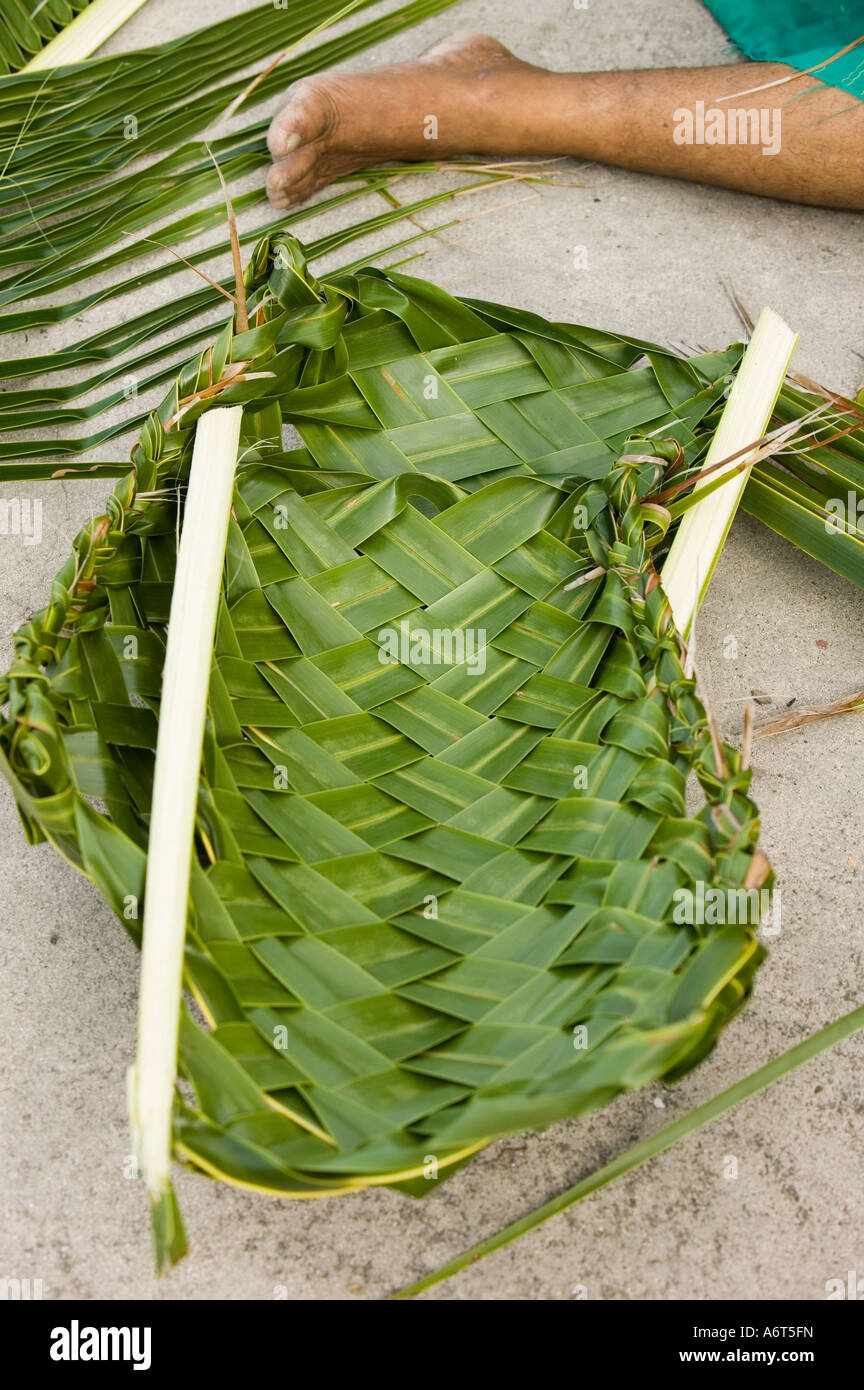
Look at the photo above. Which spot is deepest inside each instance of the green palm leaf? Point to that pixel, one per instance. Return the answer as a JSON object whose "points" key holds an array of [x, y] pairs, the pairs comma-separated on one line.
{"points": [[101, 157], [814, 496], [29, 27]]}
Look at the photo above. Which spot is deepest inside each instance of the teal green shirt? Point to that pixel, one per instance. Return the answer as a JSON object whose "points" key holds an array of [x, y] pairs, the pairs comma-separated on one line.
{"points": [[800, 33]]}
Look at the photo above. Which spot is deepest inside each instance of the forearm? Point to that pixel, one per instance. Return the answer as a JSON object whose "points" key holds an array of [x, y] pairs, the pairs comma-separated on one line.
{"points": [[806, 148]]}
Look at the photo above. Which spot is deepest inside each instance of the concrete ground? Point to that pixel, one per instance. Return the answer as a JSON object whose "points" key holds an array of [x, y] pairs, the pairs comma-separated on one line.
{"points": [[659, 255]]}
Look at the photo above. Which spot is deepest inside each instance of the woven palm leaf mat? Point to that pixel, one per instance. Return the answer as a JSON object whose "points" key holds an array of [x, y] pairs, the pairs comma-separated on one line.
{"points": [[441, 819]]}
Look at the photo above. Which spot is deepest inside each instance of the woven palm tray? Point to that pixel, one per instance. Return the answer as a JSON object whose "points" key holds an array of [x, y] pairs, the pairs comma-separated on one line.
{"points": [[441, 826]]}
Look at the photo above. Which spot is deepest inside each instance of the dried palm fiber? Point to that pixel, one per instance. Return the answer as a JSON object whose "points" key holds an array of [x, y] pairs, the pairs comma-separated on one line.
{"points": [[413, 878]]}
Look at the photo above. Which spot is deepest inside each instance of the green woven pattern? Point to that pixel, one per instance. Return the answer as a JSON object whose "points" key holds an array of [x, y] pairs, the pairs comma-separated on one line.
{"points": [[441, 819]]}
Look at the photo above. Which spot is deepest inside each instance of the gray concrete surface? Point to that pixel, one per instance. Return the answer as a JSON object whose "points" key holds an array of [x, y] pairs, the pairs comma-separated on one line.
{"points": [[659, 254]]}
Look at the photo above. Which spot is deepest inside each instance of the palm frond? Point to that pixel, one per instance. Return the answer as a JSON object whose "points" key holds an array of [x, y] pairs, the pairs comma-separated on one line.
{"points": [[92, 25], [102, 160], [39, 34], [812, 492]]}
